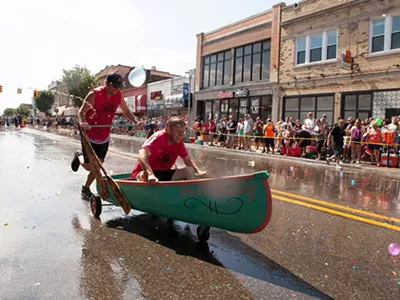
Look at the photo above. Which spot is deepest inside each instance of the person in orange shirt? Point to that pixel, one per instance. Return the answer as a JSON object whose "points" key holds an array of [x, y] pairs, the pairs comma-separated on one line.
{"points": [[269, 134], [374, 138]]}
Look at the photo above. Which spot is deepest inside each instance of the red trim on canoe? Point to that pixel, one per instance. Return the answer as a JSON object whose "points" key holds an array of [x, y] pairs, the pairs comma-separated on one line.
{"points": [[268, 206]]}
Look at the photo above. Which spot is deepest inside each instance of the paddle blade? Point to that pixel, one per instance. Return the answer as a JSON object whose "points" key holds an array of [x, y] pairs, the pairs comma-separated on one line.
{"points": [[119, 195]]}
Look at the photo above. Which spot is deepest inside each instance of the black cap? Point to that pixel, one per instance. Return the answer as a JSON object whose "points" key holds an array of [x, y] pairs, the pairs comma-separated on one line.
{"points": [[115, 79]]}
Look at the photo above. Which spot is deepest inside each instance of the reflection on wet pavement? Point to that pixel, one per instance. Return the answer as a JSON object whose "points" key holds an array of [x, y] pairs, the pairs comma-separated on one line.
{"points": [[52, 239], [373, 192]]}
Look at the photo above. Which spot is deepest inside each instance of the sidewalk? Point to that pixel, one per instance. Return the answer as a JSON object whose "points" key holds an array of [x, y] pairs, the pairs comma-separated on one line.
{"points": [[363, 167]]}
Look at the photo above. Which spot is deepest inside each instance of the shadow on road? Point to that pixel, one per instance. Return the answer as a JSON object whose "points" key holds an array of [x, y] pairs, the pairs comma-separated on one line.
{"points": [[183, 241]]}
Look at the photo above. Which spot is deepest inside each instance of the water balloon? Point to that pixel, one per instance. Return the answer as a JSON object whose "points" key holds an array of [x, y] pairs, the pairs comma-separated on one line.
{"points": [[394, 249], [137, 77]]}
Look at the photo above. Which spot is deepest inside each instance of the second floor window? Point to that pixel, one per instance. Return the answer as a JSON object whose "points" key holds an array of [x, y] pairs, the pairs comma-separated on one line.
{"points": [[316, 48], [217, 69], [252, 62], [385, 34]]}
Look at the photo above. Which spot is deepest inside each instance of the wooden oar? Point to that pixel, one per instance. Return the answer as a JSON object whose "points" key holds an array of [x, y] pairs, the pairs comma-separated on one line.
{"points": [[96, 166]]}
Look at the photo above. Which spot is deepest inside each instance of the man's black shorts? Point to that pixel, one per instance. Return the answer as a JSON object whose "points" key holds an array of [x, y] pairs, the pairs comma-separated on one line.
{"points": [[100, 150], [164, 175]]}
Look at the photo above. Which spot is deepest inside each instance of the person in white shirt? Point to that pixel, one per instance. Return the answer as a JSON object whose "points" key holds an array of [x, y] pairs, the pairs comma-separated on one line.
{"points": [[248, 131], [309, 123]]}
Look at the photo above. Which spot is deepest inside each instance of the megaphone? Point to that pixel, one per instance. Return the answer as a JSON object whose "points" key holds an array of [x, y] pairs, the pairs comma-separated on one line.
{"points": [[137, 77]]}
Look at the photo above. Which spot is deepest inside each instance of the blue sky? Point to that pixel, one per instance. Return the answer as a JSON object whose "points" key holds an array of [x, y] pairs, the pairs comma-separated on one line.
{"points": [[40, 38]]}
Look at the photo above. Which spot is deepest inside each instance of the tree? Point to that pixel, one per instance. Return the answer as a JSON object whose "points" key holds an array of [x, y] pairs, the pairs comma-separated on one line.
{"points": [[23, 110], [79, 82], [8, 112], [44, 102]]}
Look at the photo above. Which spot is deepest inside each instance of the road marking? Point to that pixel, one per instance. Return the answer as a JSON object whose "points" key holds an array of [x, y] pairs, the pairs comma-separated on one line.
{"points": [[341, 207], [338, 213]]}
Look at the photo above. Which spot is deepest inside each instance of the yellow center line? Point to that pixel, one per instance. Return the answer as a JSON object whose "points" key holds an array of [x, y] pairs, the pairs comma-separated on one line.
{"points": [[338, 213], [341, 207]]}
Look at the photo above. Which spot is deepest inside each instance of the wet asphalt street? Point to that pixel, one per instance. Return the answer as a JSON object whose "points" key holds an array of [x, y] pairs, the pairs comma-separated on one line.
{"points": [[52, 248]]}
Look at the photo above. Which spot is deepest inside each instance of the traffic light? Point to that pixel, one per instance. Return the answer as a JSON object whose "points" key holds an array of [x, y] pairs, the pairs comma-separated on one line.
{"points": [[36, 93], [1, 88], [19, 91]]}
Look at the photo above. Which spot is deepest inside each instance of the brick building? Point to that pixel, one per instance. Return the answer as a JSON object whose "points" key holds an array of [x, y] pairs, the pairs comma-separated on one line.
{"points": [[237, 68], [341, 58], [136, 97]]}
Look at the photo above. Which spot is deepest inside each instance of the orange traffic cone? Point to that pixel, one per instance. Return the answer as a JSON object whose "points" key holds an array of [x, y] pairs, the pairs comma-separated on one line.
{"points": [[22, 124]]}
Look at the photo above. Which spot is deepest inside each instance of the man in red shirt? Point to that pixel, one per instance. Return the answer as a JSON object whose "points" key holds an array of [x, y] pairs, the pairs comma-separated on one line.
{"points": [[99, 108], [159, 153]]}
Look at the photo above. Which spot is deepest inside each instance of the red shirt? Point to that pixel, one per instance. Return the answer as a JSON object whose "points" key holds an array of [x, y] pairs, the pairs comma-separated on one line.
{"points": [[163, 155], [204, 128], [212, 126], [102, 113]]}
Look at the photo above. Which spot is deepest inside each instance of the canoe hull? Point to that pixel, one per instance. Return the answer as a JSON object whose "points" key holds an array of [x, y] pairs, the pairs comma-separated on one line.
{"points": [[239, 204]]}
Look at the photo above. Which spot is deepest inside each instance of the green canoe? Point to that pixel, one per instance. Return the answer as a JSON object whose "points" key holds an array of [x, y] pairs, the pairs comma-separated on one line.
{"points": [[239, 204]]}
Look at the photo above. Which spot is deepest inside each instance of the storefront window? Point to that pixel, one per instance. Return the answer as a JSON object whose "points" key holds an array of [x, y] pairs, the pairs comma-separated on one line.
{"points": [[299, 107], [252, 62], [357, 105], [216, 108], [255, 107], [217, 69], [208, 111], [307, 103], [243, 107], [224, 108], [234, 108], [266, 107], [238, 69]]}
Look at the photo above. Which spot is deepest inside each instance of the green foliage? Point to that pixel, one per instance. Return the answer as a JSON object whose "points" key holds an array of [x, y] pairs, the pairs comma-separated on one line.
{"points": [[23, 110], [79, 82], [8, 112], [44, 102]]}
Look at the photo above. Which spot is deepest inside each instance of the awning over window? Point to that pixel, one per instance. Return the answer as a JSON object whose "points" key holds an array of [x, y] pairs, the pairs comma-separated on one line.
{"points": [[141, 103]]}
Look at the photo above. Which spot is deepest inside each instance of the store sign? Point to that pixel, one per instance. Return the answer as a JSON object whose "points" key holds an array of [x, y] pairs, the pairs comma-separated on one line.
{"points": [[225, 95], [241, 93], [156, 95]]}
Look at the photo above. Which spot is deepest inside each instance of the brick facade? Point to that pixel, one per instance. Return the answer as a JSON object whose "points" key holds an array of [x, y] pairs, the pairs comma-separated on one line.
{"points": [[352, 19], [263, 26]]}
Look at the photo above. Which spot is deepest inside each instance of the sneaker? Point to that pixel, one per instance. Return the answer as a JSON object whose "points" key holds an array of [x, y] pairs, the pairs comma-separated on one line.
{"points": [[86, 192], [338, 167], [75, 161]]}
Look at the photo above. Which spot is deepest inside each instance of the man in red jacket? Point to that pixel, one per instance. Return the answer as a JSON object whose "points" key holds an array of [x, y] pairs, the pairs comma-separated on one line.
{"points": [[99, 108]]}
